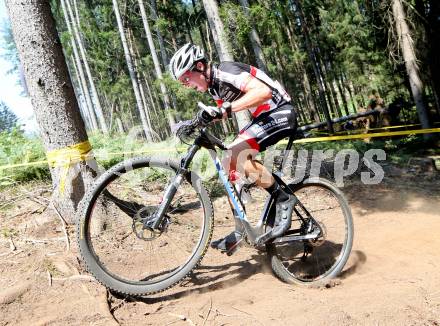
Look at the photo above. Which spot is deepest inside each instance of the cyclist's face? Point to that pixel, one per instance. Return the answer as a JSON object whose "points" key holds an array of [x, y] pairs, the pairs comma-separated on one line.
{"points": [[195, 80]]}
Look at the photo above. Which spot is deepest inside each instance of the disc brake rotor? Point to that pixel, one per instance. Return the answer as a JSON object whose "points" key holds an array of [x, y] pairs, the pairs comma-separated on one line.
{"points": [[140, 224]]}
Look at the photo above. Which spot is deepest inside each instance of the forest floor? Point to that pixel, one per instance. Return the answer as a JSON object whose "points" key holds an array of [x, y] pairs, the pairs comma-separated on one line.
{"points": [[392, 276]]}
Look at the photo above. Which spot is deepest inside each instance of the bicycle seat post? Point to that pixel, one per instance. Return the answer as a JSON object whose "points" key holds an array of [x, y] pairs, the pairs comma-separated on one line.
{"points": [[285, 152]]}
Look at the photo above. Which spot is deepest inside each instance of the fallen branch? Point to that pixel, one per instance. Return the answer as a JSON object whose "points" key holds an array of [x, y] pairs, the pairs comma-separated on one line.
{"points": [[36, 198], [13, 293], [75, 278], [64, 224], [252, 316], [209, 311], [27, 212], [12, 201], [43, 241], [218, 313]]}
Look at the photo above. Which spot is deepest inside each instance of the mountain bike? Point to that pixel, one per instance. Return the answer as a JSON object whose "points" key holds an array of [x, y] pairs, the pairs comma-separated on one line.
{"points": [[147, 222]]}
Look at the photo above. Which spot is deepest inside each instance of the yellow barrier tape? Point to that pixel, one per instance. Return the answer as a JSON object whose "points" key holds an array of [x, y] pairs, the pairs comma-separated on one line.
{"points": [[360, 136], [57, 158], [11, 166], [370, 129], [67, 156]]}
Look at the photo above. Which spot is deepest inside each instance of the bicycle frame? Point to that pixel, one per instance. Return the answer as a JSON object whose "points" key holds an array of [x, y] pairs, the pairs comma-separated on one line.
{"points": [[255, 235]]}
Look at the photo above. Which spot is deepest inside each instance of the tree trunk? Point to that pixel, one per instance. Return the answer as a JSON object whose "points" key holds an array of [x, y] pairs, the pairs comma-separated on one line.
{"points": [[80, 96], [120, 126], [53, 99], [81, 77], [202, 36], [129, 61], [157, 68], [342, 94], [314, 62], [218, 30], [135, 54], [223, 49], [159, 34], [409, 56], [255, 39], [83, 52]]}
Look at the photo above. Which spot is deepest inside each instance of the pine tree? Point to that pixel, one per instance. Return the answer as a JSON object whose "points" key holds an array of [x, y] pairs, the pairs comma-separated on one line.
{"points": [[8, 119], [51, 91]]}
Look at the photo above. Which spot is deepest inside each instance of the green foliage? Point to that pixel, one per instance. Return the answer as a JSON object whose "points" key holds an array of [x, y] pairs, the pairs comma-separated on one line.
{"points": [[8, 119], [7, 44], [18, 149]]}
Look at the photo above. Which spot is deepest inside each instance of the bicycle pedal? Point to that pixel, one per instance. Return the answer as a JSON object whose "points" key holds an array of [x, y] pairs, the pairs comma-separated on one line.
{"points": [[233, 248], [262, 239]]}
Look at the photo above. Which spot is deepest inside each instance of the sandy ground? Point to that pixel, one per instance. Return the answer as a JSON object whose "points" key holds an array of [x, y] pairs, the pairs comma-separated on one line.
{"points": [[392, 276]]}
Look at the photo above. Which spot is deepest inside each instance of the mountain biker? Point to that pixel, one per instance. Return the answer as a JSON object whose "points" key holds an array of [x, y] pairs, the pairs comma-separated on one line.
{"points": [[236, 87]]}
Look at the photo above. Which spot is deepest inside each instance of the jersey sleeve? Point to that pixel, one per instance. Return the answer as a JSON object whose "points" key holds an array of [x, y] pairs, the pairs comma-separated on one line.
{"points": [[235, 73]]}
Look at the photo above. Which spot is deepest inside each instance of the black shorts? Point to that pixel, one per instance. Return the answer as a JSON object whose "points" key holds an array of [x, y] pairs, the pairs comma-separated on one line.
{"points": [[270, 127]]}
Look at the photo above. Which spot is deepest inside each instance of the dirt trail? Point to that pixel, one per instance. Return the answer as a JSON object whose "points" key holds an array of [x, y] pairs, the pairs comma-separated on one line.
{"points": [[392, 276]]}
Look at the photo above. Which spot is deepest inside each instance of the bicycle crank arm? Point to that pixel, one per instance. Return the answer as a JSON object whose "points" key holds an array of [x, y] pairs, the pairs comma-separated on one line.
{"points": [[291, 238]]}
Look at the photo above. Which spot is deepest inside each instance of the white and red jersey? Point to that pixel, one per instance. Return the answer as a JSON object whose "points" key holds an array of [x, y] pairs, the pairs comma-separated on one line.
{"points": [[229, 79]]}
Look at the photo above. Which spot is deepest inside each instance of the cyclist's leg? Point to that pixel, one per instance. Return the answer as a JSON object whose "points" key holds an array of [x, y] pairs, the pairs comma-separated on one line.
{"points": [[267, 130], [230, 164]]}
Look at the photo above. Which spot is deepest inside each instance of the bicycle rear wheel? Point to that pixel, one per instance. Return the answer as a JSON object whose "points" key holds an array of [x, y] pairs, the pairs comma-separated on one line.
{"points": [[115, 247], [312, 261]]}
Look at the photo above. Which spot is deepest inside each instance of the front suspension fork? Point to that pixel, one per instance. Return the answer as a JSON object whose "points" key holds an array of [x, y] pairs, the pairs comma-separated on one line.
{"points": [[166, 201]]}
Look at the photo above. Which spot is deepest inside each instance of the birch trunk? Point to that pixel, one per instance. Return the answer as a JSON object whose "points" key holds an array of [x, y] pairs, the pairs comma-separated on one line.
{"points": [[222, 45], [53, 99], [409, 56], [81, 77], [99, 112], [129, 61]]}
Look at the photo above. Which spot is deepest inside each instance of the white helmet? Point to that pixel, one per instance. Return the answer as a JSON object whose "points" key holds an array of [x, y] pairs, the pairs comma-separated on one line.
{"points": [[184, 59]]}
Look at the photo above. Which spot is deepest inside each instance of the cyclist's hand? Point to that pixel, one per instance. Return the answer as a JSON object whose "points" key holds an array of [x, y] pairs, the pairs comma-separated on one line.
{"points": [[210, 113]]}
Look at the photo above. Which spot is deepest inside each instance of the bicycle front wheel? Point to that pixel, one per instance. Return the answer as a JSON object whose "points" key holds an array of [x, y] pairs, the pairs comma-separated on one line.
{"points": [[115, 246], [323, 258]]}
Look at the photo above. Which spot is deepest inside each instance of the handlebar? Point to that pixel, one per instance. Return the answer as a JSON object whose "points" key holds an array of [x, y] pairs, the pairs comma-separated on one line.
{"points": [[184, 129]]}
